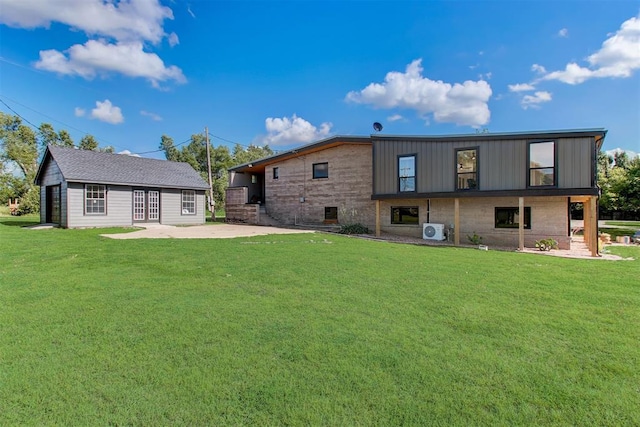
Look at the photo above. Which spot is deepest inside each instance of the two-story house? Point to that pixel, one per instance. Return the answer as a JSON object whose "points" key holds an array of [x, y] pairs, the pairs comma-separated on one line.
{"points": [[509, 188]]}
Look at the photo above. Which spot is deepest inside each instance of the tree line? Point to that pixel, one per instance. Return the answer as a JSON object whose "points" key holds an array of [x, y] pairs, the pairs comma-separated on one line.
{"points": [[21, 148], [619, 180]]}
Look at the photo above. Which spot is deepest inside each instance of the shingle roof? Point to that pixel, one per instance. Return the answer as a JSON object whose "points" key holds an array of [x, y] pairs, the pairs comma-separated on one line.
{"points": [[106, 168]]}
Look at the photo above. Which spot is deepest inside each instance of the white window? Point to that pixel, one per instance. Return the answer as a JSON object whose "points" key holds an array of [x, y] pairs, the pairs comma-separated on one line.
{"points": [[188, 202], [95, 199]]}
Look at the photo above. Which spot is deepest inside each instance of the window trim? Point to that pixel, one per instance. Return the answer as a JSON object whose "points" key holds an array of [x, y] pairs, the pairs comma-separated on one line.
{"points": [[476, 171], [182, 202], [87, 199], [314, 172], [276, 173], [554, 167], [417, 208], [527, 216], [414, 176]]}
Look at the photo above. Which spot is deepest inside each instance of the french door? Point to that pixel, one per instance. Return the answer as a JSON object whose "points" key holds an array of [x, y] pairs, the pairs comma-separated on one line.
{"points": [[154, 205], [146, 205]]}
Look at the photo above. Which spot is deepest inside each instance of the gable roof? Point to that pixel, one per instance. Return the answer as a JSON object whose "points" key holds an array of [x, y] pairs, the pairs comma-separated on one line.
{"points": [[120, 169]]}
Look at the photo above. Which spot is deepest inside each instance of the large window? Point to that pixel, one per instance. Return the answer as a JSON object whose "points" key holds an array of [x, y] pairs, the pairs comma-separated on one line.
{"points": [[467, 169], [188, 202], [542, 161], [95, 199], [405, 215], [510, 218], [407, 173], [320, 170]]}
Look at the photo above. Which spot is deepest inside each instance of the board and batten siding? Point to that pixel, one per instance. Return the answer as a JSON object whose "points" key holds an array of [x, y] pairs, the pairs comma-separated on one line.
{"points": [[52, 176], [119, 207], [171, 208], [502, 164]]}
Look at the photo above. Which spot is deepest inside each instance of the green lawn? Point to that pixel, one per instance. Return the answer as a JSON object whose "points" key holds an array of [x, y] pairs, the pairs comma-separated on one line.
{"points": [[310, 330]]}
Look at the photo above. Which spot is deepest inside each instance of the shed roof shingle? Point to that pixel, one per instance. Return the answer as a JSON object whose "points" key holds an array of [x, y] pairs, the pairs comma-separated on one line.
{"points": [[106, 168]]}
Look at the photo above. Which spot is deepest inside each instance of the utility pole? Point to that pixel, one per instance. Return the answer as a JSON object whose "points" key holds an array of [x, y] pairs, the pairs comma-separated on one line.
{"points": [[212, 204]]}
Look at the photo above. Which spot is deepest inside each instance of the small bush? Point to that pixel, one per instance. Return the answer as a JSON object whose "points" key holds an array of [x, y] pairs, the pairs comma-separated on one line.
{"points": [[546, 244], [353, 229], [474, 238]]}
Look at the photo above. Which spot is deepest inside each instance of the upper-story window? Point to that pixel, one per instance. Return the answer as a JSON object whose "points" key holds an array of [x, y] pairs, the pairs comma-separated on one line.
{"points": [[407, 173], [275, 173], [467, 169], [320, 170], [542, 164]]}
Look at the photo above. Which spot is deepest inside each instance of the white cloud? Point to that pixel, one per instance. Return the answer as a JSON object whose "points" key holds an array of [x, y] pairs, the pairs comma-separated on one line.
{"points": [[619, 56], [107, 112], [538, 69], [173, 39], [630, 154], [152, 116], [98, 57], [293, 130], [563, 33], [535, 100], [119, 33], [128, 153], [79, 112], [521, 87], [123, 20], [395, 118], [460, 103]]}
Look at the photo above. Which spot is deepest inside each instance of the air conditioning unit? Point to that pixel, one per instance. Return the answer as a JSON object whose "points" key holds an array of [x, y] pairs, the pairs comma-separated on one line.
{"points": [[433, 231]]}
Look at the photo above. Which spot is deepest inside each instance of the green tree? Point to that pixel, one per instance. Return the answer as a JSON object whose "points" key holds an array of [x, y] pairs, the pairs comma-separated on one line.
{"points": [[195, 153], [251, 153], [619, 180], [19, 148], [88, 142], [65, 139]]}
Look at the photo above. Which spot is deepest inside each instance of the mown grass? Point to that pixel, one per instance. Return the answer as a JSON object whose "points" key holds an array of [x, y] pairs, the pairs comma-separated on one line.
{"points": [[629, 224], [310, 329]]}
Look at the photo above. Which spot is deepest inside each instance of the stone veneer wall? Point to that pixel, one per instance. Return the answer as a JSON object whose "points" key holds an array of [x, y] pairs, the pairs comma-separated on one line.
{"points": [[549, 219], [296, 197], [236, 207]]}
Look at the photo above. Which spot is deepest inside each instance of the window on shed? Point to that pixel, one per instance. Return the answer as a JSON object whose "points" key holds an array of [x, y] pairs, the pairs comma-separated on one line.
{"points": [[95, 199], [188, 202], [276, 173]]}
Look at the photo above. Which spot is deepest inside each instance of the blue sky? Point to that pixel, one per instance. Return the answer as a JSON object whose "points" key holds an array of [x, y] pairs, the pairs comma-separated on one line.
{"points": [[292, 72]]}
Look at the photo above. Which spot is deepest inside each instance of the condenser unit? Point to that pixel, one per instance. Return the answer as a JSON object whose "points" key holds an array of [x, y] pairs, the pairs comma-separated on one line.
{"points": [[433, 231]]}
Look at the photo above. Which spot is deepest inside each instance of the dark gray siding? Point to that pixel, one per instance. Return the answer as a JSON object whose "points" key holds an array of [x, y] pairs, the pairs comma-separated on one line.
{"points": [[52, 176], [502, 164]]}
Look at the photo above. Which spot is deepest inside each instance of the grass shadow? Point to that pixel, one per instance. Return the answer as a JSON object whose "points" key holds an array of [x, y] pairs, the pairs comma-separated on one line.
{"points": [[19, 221]]}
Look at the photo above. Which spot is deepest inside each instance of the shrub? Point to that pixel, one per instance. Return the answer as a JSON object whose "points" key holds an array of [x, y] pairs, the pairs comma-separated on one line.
{"points": [[353, 229], [474, 238], [546, 244]]}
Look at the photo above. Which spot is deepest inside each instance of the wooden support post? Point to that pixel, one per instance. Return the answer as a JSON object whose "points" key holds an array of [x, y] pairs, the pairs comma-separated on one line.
{"points": [[586, 229], [521, 224], [593, 213], [377, 218], [456, 221]]}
